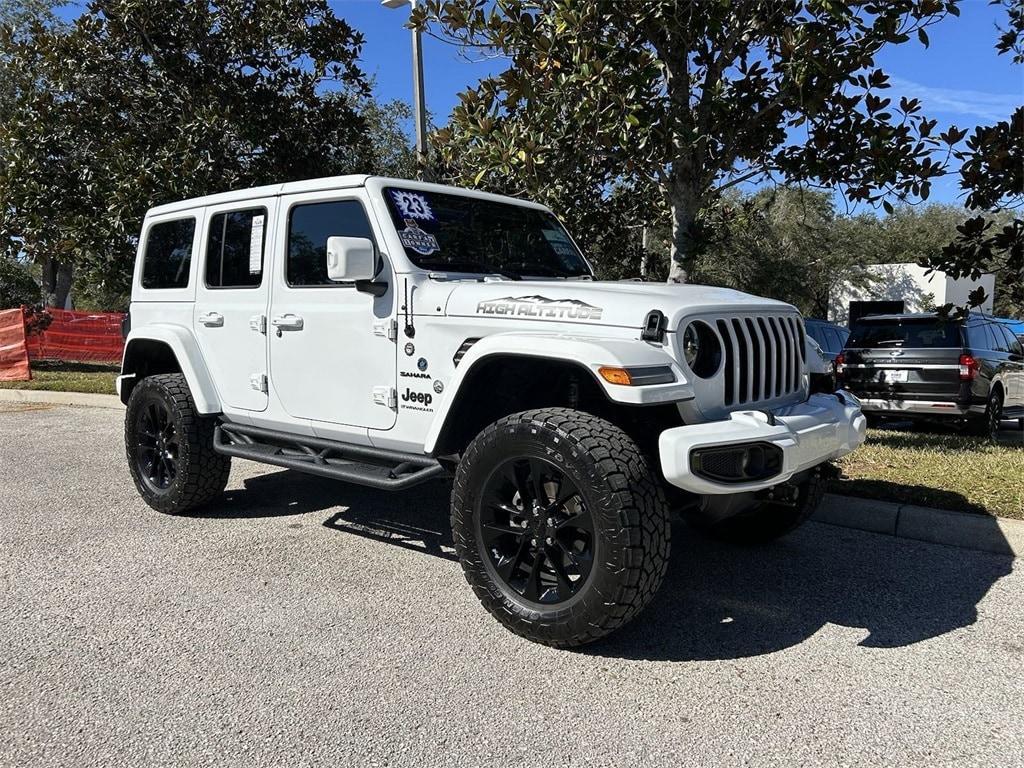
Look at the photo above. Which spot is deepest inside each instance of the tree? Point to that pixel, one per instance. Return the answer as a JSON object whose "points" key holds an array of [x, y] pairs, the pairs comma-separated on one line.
{"points": [[145, 101], [692, 97], [992, 176], [787, 243], [17, 286], [18, 17], [391, 154]]}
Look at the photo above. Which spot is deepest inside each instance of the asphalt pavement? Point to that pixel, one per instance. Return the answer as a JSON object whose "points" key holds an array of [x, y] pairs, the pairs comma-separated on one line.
{"points": [[307, 622]]}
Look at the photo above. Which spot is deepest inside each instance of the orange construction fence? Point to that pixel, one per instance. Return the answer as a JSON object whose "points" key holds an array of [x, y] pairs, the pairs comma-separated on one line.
{"points": [[13, 351], [79, 337]]}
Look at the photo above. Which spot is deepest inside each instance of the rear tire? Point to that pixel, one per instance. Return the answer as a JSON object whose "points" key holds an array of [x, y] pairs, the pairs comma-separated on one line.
{"points": [[169, 446], [987, 426], [560, 525]]}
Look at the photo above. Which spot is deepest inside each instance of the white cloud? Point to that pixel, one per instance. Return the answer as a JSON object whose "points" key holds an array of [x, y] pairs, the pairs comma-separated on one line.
{"points": [[987, 107]]}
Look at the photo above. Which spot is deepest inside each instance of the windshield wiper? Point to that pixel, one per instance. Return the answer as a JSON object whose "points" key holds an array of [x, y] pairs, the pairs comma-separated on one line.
{"points": [[471, 267]]}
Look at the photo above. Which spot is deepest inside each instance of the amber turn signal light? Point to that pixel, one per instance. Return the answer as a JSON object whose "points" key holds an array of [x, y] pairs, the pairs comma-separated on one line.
{"points": [[615, 375]]}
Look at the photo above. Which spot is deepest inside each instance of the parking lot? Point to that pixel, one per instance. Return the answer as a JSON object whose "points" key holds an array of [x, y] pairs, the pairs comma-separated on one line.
{"points": [[304, 621]]}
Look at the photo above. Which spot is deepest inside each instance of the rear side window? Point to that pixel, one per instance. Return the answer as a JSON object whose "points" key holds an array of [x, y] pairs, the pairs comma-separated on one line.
{"points": [[910, 333], [835, 341], [234, 249], [309, 226], [168, 254], [993, 338], [1015, 343]]}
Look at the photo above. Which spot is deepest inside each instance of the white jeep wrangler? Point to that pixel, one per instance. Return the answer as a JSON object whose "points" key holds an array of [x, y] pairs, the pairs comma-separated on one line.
{"points": [[389, 333]]}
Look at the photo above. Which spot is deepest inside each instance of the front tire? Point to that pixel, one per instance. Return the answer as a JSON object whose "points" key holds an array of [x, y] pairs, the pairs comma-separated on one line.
{"points": [[560, 525], [169, 446]]}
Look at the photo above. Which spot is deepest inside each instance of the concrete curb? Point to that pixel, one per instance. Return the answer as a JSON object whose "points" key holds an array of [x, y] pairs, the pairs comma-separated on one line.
{"points": [[937, 526], [59, 398]]}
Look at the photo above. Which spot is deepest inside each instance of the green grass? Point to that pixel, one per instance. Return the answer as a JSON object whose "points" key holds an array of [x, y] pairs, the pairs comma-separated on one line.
{"points": [[68, 377], [938, 469]]}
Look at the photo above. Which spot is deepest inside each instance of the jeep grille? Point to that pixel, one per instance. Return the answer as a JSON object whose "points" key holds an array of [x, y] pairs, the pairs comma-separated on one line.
{"points": [[764, 357]]}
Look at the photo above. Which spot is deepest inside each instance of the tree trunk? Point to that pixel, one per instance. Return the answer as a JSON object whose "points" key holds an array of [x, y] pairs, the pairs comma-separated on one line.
{"points": [[684, 214], [57, 277]]}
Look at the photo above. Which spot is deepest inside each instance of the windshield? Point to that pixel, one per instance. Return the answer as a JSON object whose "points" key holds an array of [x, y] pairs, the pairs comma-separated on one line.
{"points": [[456, 233], [909, 333]]}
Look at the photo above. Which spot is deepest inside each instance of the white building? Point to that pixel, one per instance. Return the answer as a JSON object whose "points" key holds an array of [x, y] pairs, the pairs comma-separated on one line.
{"points": [[910, 283]]}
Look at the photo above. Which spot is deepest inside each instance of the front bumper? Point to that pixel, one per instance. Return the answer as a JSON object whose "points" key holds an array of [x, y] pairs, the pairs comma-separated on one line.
{"points": [[821, 428]]}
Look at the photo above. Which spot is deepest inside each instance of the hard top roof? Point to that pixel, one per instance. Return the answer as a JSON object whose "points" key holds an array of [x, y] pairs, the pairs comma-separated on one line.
{"points": [[325, 183]]}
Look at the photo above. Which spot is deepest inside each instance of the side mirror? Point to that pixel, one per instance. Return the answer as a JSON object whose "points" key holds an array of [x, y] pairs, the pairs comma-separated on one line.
{"points": [[350, 259]]}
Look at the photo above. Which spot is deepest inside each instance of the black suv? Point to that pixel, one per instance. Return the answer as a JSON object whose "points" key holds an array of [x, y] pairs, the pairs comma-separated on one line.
{"points": [[922, 365], [830, 337]]}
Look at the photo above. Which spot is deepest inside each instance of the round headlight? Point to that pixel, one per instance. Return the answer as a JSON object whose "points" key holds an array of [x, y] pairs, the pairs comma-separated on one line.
{"points": [[701, 349], [691, 345]]}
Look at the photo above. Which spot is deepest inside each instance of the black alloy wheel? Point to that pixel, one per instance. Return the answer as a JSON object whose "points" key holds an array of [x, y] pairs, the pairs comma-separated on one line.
{"points": [[536, 530], [156, 449], [993, 415], [560, 525], [169, 446]]}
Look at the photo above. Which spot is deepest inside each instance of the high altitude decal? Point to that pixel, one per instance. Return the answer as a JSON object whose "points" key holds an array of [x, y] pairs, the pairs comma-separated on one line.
{"points": [[540, 307]]}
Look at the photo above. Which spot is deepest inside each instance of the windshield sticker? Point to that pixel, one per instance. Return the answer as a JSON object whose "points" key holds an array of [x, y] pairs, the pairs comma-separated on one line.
{"points": [[541, 307], [556, 236], [559, 242], [411, 205], [416, 239]]}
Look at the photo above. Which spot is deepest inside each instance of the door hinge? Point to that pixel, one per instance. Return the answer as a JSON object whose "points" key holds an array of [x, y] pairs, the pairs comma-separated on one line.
{"points": [[387, 396], [258, 382], [258, 323], [389, 329]]}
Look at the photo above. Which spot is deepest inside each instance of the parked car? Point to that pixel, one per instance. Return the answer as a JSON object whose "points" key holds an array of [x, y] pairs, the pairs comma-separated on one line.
{"points": [[830, 337], [926, 366], [388, 332], [820, 366]]}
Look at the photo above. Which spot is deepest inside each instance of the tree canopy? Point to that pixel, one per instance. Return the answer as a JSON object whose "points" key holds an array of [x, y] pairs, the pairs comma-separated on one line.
{"points": [[689, 98], [140, 102]]}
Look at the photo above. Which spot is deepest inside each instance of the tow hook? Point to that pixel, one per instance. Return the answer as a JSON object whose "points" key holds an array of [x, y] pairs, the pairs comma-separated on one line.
{"points": [[781, 494]]}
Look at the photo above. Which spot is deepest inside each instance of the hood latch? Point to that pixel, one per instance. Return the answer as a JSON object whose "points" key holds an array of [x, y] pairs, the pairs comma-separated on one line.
{"points": [[654, 326]]}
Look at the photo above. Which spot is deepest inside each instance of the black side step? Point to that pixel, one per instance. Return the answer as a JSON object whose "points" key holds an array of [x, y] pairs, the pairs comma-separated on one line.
{"points": [[360, 464]]}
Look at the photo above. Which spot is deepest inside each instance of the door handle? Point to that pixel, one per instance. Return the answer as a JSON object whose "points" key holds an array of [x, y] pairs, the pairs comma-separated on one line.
{"points": [[212, 319], [287, 322]]}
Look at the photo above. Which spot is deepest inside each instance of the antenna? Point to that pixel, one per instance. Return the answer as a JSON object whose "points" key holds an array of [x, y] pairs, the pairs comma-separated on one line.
{"points": [[410, 330]]}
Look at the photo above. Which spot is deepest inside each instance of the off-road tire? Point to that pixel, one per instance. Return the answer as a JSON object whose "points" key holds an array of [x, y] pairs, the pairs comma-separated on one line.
{"points": [[201, 473], [987, 425], [769, 521], [630, 520]]}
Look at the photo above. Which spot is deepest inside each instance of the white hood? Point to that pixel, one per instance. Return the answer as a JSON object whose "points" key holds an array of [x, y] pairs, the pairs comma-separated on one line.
{"points": [[623, 304]]}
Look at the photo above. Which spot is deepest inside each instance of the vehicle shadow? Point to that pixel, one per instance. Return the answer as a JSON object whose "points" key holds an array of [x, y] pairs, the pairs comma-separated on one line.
{"points": [[723, 602], [415, 519], [717, 601]]}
